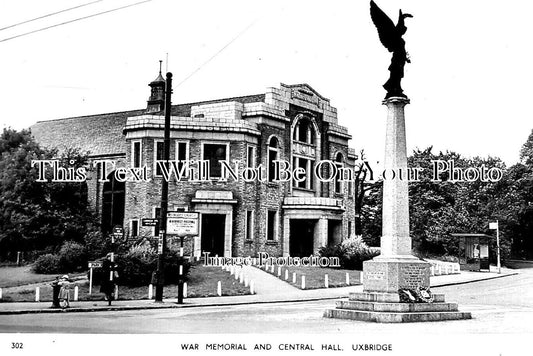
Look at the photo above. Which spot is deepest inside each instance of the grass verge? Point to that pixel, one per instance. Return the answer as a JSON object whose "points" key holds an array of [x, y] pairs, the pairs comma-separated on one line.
{"points": [[202, 283], [315, 276]]}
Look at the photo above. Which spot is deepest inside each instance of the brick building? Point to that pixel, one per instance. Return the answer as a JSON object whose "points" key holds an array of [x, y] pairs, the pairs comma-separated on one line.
{"points": [[237, 217]]}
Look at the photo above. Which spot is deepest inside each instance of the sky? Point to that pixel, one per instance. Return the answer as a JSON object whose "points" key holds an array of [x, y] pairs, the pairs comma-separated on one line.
{"points": [[469, 81]]}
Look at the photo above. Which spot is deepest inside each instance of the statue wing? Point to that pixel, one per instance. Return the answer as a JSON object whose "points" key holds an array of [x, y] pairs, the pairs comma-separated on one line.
{"points": [[386, 29]]}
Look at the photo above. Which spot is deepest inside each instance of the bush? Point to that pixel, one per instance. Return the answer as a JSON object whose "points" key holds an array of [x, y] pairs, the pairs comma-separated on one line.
{"points": [[73, 257], [97, 244], [136, 266], [47, 264], [351, 253]]}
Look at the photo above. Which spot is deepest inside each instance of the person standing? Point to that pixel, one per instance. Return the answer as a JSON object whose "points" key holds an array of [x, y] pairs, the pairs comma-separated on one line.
{"points": [[64, 292], [109, 273]]}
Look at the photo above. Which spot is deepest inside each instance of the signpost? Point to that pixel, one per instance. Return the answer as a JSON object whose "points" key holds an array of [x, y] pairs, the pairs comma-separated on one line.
{"points": [[118, 233], [94, 264], [182, 224], [185, 224], [150, 222]]}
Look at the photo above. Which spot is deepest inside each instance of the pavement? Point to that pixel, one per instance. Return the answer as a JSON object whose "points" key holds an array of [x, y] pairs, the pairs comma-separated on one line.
{"points": [[269, 289]]}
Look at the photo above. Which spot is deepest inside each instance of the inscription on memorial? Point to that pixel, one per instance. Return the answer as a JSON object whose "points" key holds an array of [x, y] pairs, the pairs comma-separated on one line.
{"points": [[375, 275], [413, 276]]}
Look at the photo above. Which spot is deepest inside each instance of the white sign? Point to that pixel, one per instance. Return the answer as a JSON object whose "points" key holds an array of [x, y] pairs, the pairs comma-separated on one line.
{"points": [[95, 264], [493, 225], [182, 223]]}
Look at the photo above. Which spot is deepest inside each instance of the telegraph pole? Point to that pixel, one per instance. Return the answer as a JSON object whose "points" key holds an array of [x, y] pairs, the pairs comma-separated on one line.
{"points": [[164, 195]]}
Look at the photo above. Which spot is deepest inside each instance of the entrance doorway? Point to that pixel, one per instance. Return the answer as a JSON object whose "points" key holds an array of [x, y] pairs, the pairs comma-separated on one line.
{"points": [[301, 237], [334, 232], [213, 230]]}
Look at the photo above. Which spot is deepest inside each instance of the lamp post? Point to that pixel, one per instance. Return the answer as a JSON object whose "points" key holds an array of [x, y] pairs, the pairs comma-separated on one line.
{"points": [[495, 226], [164, 195]]}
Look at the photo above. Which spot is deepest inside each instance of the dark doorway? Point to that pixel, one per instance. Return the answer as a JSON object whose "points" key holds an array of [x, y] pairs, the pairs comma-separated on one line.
{"points": [[213, 233], [301, 237], [334, 232], [113, 201]]}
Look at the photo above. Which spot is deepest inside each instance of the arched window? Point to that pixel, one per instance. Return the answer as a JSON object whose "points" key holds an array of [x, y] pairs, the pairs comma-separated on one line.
{"points": [[273, 154], [113, 202], [304, 132], [339, 162]]}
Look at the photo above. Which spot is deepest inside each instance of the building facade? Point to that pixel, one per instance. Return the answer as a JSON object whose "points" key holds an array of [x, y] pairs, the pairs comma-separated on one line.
{"points": [[238, 217]]}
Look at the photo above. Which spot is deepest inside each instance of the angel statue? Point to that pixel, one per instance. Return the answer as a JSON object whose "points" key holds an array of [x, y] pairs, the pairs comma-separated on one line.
{"points": [[391, 37]]}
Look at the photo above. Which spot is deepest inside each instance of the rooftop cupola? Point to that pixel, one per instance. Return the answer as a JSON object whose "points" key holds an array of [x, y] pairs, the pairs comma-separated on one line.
{"points": [[156, 102]]}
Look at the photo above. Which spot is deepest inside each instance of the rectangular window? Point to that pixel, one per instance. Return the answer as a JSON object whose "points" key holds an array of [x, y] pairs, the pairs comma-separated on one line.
{"points": [[182, 153], [271, 225], [136, 152], [249, 225], [250, 158], [159, 150], [157, 214], [134, 231], [306, 164], [214, 153]]}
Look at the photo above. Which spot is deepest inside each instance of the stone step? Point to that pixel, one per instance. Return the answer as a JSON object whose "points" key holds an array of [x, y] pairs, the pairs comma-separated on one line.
{"points": [[388, 317], [396, 307], [386, 297]]}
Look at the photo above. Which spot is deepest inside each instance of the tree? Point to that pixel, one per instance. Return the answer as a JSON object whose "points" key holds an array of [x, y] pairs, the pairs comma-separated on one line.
{"points": [[526, 153], [34, 215], [363, 188]]}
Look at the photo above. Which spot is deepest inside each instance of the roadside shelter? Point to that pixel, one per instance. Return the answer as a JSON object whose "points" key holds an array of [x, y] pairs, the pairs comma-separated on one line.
{"points": [[473, 251]]}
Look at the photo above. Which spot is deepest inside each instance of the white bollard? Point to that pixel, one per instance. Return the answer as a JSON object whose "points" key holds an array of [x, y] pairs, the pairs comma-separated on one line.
{"points": [[150, 291], [219, 289], [37, 294], [303, 282], [116, 291], [294, 277], [246, 282], [252, 290], [241, 277], [326, 281], [286, 274], [76, 291], [279, 271], [185, 290], [347, 279], [232, 270], [272, 268], [236, 274]]}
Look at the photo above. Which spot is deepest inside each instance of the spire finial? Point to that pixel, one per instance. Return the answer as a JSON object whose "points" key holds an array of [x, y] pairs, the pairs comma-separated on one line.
{"points": [[160, 63]]}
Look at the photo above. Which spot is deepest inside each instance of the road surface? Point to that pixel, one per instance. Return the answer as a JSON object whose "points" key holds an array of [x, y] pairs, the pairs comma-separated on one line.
{"points": [[502, 305]]}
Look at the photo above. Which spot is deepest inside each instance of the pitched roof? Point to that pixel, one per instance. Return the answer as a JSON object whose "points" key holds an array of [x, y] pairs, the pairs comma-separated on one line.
{"points": [[102, 134]]}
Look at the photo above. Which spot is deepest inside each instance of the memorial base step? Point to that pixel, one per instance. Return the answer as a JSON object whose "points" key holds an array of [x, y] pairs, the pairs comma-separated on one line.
{"points": [[387, 308]]}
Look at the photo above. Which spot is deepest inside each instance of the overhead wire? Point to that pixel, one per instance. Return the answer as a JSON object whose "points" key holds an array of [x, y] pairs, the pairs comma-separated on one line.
{"points": [[74, 20], [48, 15]]}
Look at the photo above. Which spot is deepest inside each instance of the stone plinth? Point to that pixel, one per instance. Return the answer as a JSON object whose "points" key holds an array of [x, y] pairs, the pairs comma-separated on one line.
{"points": [[386, 308], [389, 275]]}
